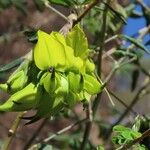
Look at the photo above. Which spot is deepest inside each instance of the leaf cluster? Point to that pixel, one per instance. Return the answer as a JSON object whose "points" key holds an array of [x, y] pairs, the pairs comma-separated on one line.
{"points": [[56, 77]]}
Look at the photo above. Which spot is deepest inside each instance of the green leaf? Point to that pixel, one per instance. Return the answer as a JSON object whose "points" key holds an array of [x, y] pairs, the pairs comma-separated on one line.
{"points": [[52, 51], [72, 63], [78, 41], [11, 65], [100, 148], [89, 66], [47, 147], [63, 86], [127, 135], [136, 42], [44, 106], [91, 84], [118, 140], [47, 107], [71, 99], [19, 78], [135, 134], [139, 147], [124, 135], [4, 87], [120, 128], [17, 81]]}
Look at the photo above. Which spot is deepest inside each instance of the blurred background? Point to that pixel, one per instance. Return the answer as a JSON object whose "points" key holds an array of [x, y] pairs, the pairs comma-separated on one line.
{"points": [[18, 16]]}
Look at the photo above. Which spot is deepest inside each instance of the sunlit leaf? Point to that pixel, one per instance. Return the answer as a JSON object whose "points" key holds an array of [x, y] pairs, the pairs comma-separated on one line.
{"points": [[48, 52], [78, 41], [100, 148], [71, 62], [91, 84]]}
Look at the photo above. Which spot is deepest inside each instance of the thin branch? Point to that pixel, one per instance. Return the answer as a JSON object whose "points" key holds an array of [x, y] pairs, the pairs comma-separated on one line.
{"points": [[35, 134], [143, 5], [121, 101], [111, 39], [143, 69], [89, 7], [13, 130], [112, 72], [140, 93], [110, 75], [96, 102], [88, 126], [59, 133], [64, 130], [47, 4]]}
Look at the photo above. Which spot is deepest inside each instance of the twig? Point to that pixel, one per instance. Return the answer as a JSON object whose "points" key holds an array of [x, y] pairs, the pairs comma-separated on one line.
{"points": [[35, 134], [13, 130], [143, 69], [110, 75], [142, 33], [89, 7], [138, 140], [112, 72], [88, 126], [59, 132], [140, 93], [140, 2], [121, 101], [64, 130], [111, 38], [47, 4], [96, 102]]}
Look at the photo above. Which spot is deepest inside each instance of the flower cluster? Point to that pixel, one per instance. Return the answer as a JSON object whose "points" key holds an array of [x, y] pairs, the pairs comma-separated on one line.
{"points": [[57, 76]]}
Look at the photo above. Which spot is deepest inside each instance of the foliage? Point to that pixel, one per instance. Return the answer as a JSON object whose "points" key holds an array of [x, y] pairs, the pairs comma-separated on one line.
{"points": [[65, 68], [125, 136], [61, 70]]}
